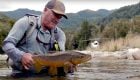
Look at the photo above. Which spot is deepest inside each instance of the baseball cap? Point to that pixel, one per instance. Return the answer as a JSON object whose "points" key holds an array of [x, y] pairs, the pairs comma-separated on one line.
{"points": [[57, 6]]}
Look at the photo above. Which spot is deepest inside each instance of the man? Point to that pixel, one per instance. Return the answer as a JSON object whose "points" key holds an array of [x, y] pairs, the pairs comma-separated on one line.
{"points": [[40, 41]]}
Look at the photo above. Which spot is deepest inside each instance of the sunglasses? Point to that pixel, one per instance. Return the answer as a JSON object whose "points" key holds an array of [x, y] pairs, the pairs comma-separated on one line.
{"points": [[59, 16]]}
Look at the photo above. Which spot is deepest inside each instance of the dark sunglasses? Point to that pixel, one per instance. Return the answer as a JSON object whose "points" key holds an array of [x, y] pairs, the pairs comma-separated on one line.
{"points": [[59, 16]]}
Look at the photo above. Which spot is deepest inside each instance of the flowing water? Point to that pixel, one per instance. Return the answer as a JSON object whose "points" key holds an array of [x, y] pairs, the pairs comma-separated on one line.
{"points": [[95, 69]]}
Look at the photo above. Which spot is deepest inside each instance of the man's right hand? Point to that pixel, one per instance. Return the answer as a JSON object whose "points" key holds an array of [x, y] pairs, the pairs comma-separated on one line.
{"points": [[27, 60]]}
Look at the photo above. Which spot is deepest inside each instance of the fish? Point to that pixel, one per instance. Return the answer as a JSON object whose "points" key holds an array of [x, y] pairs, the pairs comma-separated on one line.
{"points": [[64, 59]]}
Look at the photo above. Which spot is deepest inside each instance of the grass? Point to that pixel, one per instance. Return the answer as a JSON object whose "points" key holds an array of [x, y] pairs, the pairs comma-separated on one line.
{"points": [[130, 41]]}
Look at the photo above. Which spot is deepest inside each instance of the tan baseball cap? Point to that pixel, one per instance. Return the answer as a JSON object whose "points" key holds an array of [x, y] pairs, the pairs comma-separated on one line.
{"points": [[57, 6]]}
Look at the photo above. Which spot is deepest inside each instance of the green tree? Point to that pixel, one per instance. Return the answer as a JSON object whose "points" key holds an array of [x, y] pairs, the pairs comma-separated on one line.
{"points": [[83, 35]]}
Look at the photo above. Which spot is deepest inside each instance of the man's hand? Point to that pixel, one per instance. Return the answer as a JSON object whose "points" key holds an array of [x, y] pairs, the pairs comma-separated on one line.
{"points": [[27, 60]]}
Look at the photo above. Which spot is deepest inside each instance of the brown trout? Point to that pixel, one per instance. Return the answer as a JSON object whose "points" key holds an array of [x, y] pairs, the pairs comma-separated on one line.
{"points": [[59, 59]]}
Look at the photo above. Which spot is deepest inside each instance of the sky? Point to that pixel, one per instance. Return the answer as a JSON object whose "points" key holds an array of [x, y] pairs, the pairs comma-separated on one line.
{"points": [[72, 6]]}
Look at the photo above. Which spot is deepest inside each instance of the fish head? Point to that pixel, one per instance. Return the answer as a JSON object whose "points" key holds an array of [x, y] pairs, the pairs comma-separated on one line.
{"points": [[79, 58]]}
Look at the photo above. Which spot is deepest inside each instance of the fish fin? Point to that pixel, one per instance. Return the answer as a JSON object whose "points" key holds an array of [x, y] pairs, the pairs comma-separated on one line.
{"points": [[65, 69], [52, 71], [75, 68], [69, 67], [38, 64], [37, 67]]}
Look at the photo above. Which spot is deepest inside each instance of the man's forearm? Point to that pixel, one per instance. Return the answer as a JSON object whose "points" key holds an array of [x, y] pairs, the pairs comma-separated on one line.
{"points": [[14, 53]]}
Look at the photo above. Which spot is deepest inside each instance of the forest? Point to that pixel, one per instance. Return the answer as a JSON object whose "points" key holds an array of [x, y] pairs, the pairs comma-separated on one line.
{"points": [[118, 24]]}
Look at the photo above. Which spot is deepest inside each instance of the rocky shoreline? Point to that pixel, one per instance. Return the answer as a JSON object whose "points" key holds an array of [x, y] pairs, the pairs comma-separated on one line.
{"points": [[3, 57], [132, 54], [104, 66]]}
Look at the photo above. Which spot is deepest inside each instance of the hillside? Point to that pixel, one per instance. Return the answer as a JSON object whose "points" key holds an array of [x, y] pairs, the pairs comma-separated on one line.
{"points": [[126, 12], [5, 23], [5, 26], [16, 14], [74, 19]]}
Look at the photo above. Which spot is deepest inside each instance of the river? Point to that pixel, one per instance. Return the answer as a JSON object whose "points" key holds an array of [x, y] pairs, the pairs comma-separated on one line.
{"points": [[95, 69]]}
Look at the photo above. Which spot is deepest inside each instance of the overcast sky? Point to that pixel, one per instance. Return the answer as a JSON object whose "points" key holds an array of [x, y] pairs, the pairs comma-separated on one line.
{"points": [[72, 6]]}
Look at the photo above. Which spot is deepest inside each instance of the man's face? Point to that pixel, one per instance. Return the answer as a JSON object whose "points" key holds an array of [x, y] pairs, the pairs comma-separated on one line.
{"points": [[50, 19]]}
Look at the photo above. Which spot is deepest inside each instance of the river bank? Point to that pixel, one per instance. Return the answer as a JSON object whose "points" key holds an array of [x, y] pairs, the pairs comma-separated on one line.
{"points": [[97, 54], [103, 66]]}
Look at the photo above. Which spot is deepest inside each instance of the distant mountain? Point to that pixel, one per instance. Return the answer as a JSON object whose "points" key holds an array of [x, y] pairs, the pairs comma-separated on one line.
{"points": [[126, 12], [74, 19], [16, 14], [89, 13]]}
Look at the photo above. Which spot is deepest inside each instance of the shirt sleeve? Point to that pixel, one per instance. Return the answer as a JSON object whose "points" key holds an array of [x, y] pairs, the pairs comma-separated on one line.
{"points": [[61, 38], [14, 36]]}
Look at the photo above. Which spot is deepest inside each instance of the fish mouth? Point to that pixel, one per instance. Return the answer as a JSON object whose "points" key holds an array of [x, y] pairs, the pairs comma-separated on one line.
{"points": [[88, 57], [82, 60]]}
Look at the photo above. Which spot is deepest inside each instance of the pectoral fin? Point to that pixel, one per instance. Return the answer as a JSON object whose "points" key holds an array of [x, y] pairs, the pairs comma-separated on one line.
{"points": [[52, 71], [37, 67], [75, 68], [69, 67]]}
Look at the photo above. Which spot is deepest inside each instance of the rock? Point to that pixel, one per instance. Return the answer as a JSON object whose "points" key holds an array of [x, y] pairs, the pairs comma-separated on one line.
{"points": [[3, 57], [131, 54], [136, 55]]}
